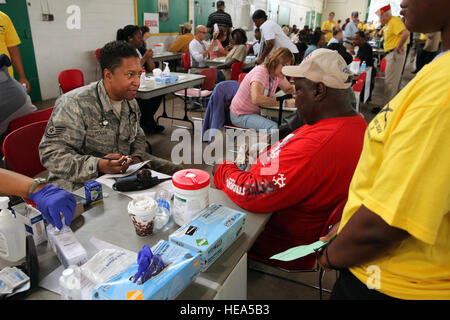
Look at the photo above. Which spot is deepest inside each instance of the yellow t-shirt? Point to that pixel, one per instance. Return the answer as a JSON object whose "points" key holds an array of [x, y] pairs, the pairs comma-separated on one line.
{"points": [[8, 37], [393, 33], [181, 43], [403, 175], [328, 26]]}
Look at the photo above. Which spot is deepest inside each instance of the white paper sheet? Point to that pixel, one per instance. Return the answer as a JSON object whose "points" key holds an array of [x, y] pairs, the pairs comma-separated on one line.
{"points": [[131, 169]]}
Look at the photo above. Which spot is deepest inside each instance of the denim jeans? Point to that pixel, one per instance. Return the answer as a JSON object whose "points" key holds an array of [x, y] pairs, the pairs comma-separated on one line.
{"points": [[253, 121], [220, 76]]}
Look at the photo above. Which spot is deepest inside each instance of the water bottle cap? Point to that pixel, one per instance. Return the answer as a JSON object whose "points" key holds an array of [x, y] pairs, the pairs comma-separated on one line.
{"points": [[67, 272]]}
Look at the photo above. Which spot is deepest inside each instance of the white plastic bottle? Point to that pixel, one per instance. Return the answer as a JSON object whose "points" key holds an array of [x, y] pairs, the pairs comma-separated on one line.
{"points": [[12, 234], [166, 71], [142, 80], [216, 30], [70, 284]]}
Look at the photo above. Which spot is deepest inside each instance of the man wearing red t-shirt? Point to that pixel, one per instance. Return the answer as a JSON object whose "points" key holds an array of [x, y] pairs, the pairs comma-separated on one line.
{"points": [[315, 162]]}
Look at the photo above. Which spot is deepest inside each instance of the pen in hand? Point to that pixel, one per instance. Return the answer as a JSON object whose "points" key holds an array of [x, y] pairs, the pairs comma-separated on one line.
{"points": [[109, 158]]}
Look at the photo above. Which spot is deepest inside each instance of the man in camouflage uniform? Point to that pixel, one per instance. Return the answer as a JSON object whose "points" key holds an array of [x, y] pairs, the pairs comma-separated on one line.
{"points": [[99, 120]]}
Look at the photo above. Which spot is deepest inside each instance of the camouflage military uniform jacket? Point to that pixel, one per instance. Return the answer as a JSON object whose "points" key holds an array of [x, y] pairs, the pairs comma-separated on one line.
{"points": [[76, 136]]}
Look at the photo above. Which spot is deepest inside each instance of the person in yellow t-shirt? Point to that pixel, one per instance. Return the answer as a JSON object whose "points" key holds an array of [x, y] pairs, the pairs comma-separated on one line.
{"points": [[395, 38], [393, 238], [181, 43], [9, 40], [328, 26]]}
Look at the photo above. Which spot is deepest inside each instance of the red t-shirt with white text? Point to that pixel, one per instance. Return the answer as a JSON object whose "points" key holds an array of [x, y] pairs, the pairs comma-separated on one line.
{"points": [[315, 167]]}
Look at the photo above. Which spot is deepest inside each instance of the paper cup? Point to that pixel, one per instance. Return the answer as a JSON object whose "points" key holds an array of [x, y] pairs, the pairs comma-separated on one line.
{"points": [[142, 212], [157, 72]]}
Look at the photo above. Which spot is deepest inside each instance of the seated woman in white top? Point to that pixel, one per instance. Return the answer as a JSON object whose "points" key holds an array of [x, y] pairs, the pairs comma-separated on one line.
{"points": [[237, 54], [258, 89]]}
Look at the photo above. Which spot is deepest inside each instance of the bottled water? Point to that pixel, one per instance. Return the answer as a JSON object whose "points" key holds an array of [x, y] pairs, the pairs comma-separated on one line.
{"points": [[70, 284], [142, 78], [363, 67], [163, 197]]}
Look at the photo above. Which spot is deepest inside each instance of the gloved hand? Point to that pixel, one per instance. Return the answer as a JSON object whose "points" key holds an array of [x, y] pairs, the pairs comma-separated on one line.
{"points": [[52, 201], [149, 264]]}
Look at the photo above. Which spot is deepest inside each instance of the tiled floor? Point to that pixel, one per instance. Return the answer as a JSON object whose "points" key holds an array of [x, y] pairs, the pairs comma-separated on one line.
{"points": [[259, 285]]}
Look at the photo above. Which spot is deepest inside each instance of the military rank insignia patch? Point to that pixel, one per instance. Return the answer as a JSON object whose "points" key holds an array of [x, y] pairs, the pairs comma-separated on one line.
{"points": [[53, 131]]}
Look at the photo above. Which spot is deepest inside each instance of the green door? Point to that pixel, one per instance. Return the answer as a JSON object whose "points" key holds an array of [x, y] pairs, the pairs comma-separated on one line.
{"points": [[284, 16], [17, 11], [313, 20], [202, 10], [319, 20]]}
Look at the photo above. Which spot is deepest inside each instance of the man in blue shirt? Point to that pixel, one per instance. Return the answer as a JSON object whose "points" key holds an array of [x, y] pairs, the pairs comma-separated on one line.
{"points": [[350, 29]]}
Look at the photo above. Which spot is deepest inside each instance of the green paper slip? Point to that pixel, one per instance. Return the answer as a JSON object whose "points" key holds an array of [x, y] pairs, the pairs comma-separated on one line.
{"points": [[298, 252]]}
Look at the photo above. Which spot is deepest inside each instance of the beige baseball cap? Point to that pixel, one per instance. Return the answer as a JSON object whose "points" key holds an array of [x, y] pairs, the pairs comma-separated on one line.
{"points": [[322, 65], [186, 25]]}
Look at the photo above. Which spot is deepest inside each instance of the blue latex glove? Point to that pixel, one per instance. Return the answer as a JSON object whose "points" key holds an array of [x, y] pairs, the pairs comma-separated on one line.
{"points": [[149, 264], [52, 201]]}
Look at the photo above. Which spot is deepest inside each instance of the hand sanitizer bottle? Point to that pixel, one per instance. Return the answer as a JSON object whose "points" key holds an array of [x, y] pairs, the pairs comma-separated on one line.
{"points": [[166, 71], [12, 234]]}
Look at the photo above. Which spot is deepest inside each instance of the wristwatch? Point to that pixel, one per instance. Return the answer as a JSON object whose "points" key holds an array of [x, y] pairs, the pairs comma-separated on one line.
{"points": [[34, 185]]}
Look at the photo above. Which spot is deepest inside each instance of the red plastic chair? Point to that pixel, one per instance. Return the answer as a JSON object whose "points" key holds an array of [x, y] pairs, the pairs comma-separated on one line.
{"points": [[333, 218], [70, 79], [97, 54], [37, 116], [20, 148], [358, 86], [236, 69], [206, 89], [241, 76], [383, 65], [357, 89], [362, 76], [186, 61]]}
